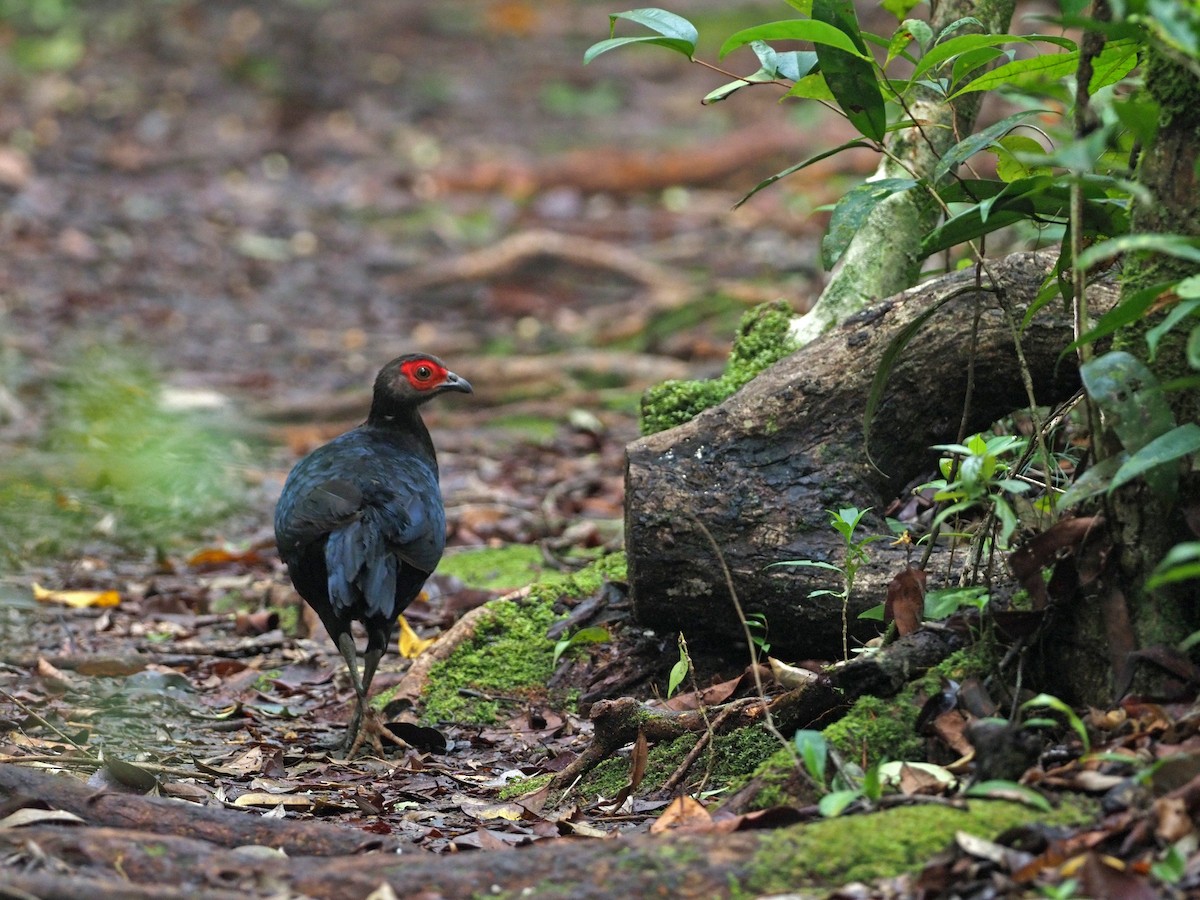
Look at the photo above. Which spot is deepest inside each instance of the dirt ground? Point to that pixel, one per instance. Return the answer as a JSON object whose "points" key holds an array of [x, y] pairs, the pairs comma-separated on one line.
{"points": [[267, 200]]}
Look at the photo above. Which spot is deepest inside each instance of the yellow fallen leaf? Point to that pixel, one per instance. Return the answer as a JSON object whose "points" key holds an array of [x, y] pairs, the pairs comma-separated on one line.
{"points": [[412, 646], [77, 599]]}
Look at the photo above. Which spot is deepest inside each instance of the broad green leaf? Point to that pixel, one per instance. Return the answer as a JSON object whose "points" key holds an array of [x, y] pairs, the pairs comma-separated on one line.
{"points": [[678, 46], [1128, 310], [812, 87], [1009, 790], [852, 211], [671, 31], [1179, 245], [851, 75], [973, 60], [1163, 450], [1182, 563], [666, 23], [1134, 408], [1093, 482], [910, 30], [791, 30], [1193, 348], [972, 144], [834, 803], [953, 47], [593, 634], [678, 673], [1114, 63], [900, 8], [814, 751], [1011, 168], [803, 165], [1177, 314]]}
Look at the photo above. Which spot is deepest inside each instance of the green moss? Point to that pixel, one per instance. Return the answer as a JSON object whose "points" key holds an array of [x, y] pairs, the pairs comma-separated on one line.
{"points": [[519, 787], [882, 844], [510, 655], [733, 757], [876, 730], [764, 337], [498, 568]]}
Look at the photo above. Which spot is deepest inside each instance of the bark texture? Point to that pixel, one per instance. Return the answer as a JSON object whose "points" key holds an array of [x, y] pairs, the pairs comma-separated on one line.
{"points": [[758, 472]]}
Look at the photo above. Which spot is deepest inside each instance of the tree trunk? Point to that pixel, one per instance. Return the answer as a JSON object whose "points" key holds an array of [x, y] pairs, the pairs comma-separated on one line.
{"points": [[1095, 640], [758, 472], [884, 257]]}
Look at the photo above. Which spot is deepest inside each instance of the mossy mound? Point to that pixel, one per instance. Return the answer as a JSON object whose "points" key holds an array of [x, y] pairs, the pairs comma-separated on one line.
{"points": [[763, 338], [884, 843], [510, 654]]}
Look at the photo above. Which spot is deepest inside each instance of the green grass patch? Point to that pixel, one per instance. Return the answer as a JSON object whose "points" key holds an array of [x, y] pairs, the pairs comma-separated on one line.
{"points": [[116, 463]]}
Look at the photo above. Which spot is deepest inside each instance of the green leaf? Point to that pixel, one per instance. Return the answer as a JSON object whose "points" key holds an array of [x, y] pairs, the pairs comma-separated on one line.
{"points": [[814, 751], [818, 33], [872, 614], [671, 31], [1177, 314], [803, 165], [1129, 397], [1182, 563], [594, 634], [1093, 482], [595, 50], [852, 211], [679, 671], [851, 75], [972, 144], [1011, 168], [1167, 448], [1049, 701], [1128, 310], [1178, 245], [834, 803], [949, 49], [1009, 790]]}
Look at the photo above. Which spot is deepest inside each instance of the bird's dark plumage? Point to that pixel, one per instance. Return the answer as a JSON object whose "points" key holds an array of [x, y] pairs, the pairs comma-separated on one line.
{"points": [[360, 522]]}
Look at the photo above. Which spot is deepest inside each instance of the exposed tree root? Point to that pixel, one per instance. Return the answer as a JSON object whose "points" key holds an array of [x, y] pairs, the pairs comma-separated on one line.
{"points": [[883, 673]]}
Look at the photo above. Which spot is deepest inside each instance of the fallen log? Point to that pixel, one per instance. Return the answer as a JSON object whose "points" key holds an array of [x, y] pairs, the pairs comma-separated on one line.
{"points": [[759, 471]]}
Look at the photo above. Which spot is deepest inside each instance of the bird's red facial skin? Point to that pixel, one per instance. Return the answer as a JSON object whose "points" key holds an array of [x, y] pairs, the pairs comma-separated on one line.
{"points": [[423, 374]]}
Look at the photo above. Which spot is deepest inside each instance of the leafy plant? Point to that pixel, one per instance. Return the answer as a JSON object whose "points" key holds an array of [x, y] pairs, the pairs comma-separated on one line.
{"points": [[845, 522], [593, 634], [843, 788], [680, 670], [976, 474]]}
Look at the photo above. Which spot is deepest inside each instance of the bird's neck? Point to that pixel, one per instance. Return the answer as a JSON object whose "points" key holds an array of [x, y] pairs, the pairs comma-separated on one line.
{"points": [[404, 427]]}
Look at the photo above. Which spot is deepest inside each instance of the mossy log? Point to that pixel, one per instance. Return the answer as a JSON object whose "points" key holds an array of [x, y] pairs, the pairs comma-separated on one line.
{"points": [[746, 484]]}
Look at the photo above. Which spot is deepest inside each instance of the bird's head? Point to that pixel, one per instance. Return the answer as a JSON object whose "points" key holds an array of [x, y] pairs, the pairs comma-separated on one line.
{"points": [[412, 379]]}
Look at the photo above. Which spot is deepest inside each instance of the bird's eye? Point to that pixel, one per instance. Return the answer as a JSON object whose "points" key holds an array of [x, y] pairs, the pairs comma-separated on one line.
{"points": [[424, 373]]}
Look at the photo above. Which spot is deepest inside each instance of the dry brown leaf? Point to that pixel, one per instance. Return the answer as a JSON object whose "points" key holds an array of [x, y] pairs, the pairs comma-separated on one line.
{"points": [[684, 812], [905, 604]]}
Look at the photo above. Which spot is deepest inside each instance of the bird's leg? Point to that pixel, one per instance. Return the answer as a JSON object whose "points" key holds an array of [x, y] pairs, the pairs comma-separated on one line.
{"points": [[374, 731], [345, 644]]}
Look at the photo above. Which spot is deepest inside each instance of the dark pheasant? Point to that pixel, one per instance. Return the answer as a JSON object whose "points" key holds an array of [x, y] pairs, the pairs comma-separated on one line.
{"points": [[360, 522]]}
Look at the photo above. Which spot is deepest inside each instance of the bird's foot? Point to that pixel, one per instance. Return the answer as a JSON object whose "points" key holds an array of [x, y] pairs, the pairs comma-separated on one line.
{"points": [[375, 731]]}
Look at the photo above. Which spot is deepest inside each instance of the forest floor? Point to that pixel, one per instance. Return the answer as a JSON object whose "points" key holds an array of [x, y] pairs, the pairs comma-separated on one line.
{"points": [[218, 221]]}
